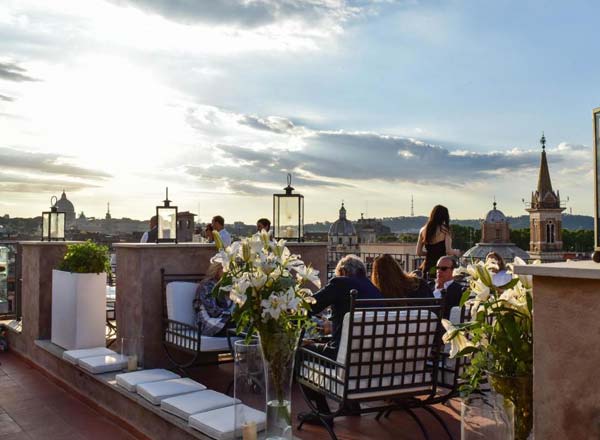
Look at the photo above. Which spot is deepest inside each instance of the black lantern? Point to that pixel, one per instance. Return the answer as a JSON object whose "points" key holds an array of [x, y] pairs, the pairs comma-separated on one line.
{"points": [[288, 214], [53, 223], [167, 221], [596, 124]]}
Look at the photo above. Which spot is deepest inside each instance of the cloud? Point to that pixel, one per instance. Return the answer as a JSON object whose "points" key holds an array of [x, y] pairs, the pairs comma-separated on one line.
{"points": [[264, 149], [47, 163], [271, 123], [245, 13], [20, 183], [6, 98], [12, 72]]}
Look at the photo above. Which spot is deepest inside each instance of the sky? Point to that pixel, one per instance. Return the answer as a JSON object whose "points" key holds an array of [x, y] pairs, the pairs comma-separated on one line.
{"points": [[366, 102]]}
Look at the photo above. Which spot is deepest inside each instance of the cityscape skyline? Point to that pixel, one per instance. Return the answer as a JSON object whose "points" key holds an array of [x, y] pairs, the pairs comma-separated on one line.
{"points": [[367, 102]]}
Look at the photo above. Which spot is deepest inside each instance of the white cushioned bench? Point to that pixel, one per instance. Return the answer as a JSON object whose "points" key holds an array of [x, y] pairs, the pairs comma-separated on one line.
{"points": [[130, 381], [73, 356], [218, 423], [103, 364], [155, 392], [185, 405]]}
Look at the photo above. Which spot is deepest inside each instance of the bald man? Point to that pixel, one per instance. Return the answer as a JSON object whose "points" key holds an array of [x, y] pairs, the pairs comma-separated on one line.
{"points": [[445, 286]]}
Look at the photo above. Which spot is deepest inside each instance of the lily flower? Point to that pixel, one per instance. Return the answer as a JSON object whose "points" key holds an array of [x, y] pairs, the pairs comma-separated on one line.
{"points": [[304, 273], [454, 336]]}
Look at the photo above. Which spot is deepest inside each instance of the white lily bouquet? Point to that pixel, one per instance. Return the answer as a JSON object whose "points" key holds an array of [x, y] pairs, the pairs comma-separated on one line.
{"points": [[498, 340], [267, 284], [499, 337]]}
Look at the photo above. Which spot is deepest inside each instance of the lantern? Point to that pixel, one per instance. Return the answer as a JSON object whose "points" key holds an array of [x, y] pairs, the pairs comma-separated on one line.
{"points": [[288, 214], [166, 216], [596, 124], [53, 223]]}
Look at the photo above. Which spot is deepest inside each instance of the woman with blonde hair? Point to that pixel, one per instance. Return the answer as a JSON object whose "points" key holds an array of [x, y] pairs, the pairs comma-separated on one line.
{"points": [[435, 240], [393, 282]]}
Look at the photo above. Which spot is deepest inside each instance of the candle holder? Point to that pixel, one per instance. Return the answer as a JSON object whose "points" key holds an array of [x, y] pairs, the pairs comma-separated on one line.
{"points": [[133, 350], [249, 387]]}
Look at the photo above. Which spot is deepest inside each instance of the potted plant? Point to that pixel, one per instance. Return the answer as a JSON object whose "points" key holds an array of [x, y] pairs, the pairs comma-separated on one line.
{"points": [[266, 282], [79, 297], [498, 339]]}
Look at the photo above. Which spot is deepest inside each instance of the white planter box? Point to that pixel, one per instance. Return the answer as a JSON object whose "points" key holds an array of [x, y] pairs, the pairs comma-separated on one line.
{"points": [[78, 309]]}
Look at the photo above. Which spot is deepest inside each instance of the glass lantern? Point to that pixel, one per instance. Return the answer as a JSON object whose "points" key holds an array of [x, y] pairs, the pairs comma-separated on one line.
{"points": [[288, 214], [53, 223], [596, 124], [167, 221]]}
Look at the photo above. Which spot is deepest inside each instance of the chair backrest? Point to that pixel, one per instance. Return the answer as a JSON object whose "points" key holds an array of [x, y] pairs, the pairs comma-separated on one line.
{"points": [[391, 347], [178, 293]]}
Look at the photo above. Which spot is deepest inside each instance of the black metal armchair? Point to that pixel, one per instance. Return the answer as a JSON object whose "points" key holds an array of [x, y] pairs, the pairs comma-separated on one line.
{"points": [[183, 341], [388, 354]]}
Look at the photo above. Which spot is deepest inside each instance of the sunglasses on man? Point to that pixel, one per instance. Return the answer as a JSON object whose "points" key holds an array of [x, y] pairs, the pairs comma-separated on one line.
{"points": [[442, 268]]}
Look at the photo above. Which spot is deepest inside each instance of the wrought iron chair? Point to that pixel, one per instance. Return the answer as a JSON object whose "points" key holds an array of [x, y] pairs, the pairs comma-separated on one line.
{"points": [[183, 341], [388, 354]]}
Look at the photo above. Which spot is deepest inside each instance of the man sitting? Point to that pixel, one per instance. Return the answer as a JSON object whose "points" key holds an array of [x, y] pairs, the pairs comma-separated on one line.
{"points": [[445, 285], [350, 273]]}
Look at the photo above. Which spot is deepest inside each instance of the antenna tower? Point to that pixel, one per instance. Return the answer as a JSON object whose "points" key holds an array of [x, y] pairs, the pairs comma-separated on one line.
{"points": [[412, 206]]}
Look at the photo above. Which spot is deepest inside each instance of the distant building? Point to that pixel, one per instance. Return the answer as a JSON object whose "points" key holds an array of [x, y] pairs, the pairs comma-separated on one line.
{"points": [[495, 237], [64, 205], [368, 229], [185, 226], [342, 234], [545, 216]]}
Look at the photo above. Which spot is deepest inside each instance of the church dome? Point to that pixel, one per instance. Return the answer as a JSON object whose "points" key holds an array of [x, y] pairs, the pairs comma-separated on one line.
{"points": [[342, 226], [495, 216], [64, 205]]}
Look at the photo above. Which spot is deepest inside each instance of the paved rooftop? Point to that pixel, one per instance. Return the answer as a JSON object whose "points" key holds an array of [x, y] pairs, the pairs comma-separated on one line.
{"points": [[32, 406], [399, 425]]}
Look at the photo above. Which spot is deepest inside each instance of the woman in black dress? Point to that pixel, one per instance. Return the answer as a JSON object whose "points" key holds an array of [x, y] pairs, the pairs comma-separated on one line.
{"points": [[435, 240]]}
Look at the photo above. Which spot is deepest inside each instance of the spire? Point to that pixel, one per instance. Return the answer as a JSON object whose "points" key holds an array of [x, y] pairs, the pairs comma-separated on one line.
{"points": [[543, 141], [544, 184], [342, 212]]}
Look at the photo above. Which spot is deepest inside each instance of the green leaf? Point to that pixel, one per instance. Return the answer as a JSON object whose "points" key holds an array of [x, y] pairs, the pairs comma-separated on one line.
{"points": [[466, 351], [465, 297]]}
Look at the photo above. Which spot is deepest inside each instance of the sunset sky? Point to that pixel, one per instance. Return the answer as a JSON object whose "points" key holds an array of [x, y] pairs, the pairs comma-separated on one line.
{"points": [[368, 102]]}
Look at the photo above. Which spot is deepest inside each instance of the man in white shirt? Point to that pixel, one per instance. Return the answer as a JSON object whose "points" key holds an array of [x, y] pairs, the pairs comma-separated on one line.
{"points": [[218, 224], [445, 286]]}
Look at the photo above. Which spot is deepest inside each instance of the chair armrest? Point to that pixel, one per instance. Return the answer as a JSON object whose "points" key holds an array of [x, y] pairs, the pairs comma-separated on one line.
{"points": [[307, 355]]}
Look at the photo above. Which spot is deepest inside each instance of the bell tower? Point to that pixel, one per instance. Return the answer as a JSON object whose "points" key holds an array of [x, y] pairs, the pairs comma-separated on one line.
{"points": [[545, 216]]}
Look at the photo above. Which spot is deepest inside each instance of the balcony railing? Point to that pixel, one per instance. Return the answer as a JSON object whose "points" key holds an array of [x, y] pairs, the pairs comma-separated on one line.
{"points": [[10, 280]]}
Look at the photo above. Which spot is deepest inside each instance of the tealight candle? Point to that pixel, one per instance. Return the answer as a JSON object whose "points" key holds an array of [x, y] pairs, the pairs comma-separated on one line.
{"points": [[132, 362], [249, 431]]}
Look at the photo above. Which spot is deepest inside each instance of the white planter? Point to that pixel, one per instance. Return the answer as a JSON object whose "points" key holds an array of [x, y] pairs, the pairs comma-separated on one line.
{"points": [[78, 309]]}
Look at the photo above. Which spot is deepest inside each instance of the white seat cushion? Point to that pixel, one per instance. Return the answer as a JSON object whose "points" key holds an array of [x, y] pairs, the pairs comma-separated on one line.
{"points": [[180, 299], [103, 364], [375, 363], [73, 356], [155, 392], [194, 403], [207, 343], [218, 423], [129, 381]]}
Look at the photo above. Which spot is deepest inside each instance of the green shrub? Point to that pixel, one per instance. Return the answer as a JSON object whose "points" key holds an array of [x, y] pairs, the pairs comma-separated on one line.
{"points": [[87, 257]]}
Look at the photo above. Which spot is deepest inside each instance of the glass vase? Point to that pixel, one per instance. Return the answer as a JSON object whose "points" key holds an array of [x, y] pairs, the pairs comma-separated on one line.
{"points": [[486, 416], [248, 387], [519, 390], [279, 350]]}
